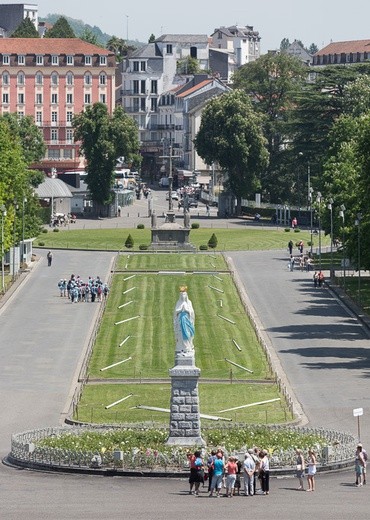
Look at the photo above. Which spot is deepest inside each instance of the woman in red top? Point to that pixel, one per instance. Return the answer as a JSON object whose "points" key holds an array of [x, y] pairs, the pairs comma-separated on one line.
{"points": [[231, 469], [196, 471]]}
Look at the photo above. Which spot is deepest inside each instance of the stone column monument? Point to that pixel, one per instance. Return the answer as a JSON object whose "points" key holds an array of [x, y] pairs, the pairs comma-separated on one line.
{"points": [[184, 411]]}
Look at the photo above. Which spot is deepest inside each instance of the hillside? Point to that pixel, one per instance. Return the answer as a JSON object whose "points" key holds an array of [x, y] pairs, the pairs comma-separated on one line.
{"points": [[79, 27]]}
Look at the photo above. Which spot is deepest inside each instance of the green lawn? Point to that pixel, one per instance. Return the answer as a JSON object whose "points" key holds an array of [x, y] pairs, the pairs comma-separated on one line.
{"points": [[172, 262], [245, 238], [151, 344], [213, 398]]}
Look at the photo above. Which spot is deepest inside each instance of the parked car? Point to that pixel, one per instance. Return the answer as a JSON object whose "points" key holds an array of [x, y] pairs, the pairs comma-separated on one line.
{"points": [[190, 202], [174, 196]]}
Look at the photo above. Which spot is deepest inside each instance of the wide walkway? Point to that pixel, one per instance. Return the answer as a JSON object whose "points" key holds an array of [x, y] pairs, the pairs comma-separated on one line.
{"points": [[324, 351]]}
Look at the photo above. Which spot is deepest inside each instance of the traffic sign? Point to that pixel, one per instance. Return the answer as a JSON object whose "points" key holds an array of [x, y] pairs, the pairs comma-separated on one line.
{"points": [[357, 412]]}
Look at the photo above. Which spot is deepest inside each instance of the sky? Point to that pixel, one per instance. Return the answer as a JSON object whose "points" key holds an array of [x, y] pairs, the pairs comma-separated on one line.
{"points": [[314, 21]]}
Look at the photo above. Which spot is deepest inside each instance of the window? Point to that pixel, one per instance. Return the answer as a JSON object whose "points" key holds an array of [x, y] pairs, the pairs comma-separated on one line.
{"points": [[69, 136], [38, 117], [142, 86], [5, 78], [69, 99], [87, 99], [5, 99], [53, 153], [20, 114], [54, 99], [54, 136], [21, 59], [102, 79], [136, 105], [6, 59], [38, 99], [153, 104], [169, 48], [68, 154], [69, 60], [103, 60], [88, 78], [142, 104], [39, 59], [55, 59], [69, 78], [39, 78], [103, 98], [69, 116], [136, 66], [136, 86], [21, 99], [54, 78], [88, 60], [154, 86], [54, 117], [143, 66], [20, 78]]}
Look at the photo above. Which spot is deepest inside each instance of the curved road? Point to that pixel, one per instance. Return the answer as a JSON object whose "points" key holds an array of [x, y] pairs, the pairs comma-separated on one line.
{"points": [[42, 336]]}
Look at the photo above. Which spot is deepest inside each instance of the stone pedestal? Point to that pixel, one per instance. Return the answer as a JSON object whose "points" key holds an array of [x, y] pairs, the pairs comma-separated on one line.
{"points": [[171, 236], [185, 415]]}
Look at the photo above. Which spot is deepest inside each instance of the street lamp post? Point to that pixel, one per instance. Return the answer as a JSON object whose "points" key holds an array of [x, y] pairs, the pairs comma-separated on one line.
{"points": [[310, 192], [3, 215], [358, 224], [23, 204], [330, 207], [318, 199], [341, 214], [15, 215]]}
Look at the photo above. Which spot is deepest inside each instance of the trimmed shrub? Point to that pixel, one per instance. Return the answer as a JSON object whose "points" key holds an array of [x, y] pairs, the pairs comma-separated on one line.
{"points": [[143, 247], [129, 242], [41, 244], [56, 230], [203, 247], [195, 225], [297, 230], [287, 230], [212, 242], [44, 230], [140, 226]]}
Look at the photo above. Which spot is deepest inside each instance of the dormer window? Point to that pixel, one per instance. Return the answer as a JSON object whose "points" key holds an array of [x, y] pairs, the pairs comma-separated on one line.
{"points": [[21, 59], [39, 59], [6, 59], [55, 59], [88, 60], [70, 60], [103, 60], [169, 48]]}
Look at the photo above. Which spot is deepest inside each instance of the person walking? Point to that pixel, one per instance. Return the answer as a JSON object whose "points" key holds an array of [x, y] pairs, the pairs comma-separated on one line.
{"points": [[300, 468], [320, 278], [49, 256], [311, 463], [359, 465], [290, 247]]}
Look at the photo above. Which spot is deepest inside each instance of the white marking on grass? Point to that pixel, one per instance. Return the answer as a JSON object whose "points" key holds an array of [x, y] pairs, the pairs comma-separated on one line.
{"points": [[215, 289], [249, 405], [126, 266], [124, 341], [124, 304], [237, 346], [226, 319], [213, 265], [218, 278], [167, 410], [129, 277], [128, 319], [129, 290], [171, 272], [119, 401], [115, 364], [220, 302], [239, 366]]}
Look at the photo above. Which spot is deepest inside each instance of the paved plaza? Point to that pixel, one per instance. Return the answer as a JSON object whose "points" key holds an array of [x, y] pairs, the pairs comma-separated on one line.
{"points": [[323, 350]]}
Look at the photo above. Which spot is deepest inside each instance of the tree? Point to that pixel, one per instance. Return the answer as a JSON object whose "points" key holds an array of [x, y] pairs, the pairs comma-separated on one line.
{"points": [[61, 29], [30, 137], [284, 44], [313, 48], [151, 38], [188, 65], [104, 138], [119, 47], [272, 82], [212, 242], [129, 243], [88, 36], [231, 134], [26, 29]]}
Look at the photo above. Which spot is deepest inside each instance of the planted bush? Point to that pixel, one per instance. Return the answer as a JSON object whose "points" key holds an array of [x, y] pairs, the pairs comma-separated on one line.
{"points": [[56, 230], [143, 247], [287, 230], [41, 244], [212, 242], [140, 226], [44, 230], [203, 247], [195, 225], [129, 242], [297, 230]]}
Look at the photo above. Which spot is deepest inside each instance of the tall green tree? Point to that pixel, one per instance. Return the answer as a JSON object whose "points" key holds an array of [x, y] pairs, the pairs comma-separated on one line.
{"points": [[119, 47], [284, 44], [151, 38], [88, 36], [30, 137], [26, 29], [188, 65], [272, 82], [231, 134], [61, 29], [313, 48], [103, 138]]}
